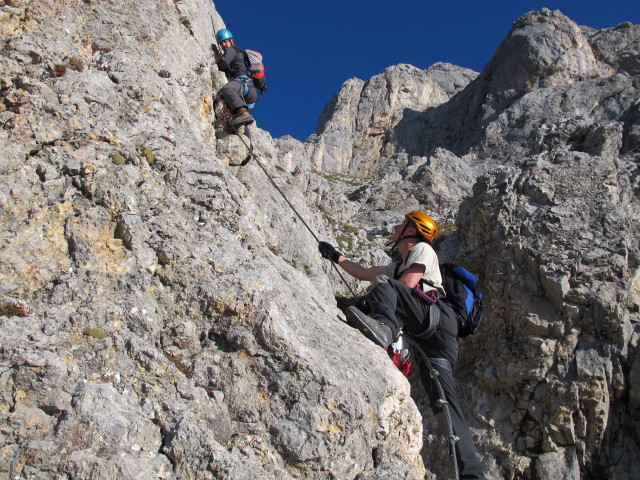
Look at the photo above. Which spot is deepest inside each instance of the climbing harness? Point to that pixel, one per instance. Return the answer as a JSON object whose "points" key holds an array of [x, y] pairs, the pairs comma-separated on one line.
{"points": [[244, 89], [253, 155], [442, 401]]}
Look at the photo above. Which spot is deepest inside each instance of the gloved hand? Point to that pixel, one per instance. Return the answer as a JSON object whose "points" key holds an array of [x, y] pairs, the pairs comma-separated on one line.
{"points": [[329, 252]]}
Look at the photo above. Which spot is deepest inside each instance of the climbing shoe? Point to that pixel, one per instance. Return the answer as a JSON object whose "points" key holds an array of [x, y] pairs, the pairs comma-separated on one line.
{"points": [[373, 329], [243, 117]]}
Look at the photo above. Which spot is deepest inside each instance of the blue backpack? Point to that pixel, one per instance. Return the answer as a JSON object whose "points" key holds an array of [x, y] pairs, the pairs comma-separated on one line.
{"points": [[460, 285]]}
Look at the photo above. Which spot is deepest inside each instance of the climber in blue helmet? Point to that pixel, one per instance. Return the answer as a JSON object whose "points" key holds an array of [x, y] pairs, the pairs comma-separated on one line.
{"points": [[239, 94]]}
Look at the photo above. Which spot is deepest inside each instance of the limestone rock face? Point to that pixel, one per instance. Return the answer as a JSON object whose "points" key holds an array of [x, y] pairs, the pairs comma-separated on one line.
{"points": [[355, 132], [164, 314]]}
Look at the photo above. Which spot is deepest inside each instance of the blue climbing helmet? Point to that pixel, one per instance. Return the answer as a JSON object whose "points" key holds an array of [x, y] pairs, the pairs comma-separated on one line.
{"points": [[223, 34]]}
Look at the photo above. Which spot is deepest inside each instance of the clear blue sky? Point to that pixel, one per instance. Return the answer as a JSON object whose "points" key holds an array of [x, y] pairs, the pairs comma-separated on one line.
{"points": [[311, 48]]}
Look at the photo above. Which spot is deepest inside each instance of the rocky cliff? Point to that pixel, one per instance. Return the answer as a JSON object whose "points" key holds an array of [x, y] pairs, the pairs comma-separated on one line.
{"points": [[164, 313]]}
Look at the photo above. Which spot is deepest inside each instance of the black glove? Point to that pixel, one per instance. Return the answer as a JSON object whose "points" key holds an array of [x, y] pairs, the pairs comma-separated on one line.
{"points": [[329, 252]]}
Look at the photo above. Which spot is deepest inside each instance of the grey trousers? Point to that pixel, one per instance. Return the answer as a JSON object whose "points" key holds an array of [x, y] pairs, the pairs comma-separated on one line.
{"points": [[231, 93]]}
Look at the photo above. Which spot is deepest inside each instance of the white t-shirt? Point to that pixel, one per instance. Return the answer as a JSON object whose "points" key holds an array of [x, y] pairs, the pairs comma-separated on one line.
{"points": [[423, 254]]}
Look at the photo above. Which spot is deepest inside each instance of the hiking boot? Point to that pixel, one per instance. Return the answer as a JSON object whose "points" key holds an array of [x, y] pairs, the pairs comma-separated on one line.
{"points": [[373, 329], [243, 117]]}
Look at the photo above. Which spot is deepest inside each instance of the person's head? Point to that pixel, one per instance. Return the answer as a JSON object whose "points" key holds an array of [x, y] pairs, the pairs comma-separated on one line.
{"points": [[224, 38], [417, 226]]}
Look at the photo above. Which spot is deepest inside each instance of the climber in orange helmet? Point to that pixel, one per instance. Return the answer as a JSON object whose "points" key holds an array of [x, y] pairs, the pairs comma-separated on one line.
{"points": [[406, 295]]}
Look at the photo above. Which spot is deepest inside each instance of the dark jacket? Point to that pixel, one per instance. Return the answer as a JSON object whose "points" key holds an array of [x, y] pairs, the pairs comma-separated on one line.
{"points": [[233, 63]]}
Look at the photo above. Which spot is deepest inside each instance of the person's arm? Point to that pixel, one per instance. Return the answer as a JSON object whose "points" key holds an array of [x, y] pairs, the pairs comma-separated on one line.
{"points": [[358, 271], [224, 62], [412, 275], [354, 269]]}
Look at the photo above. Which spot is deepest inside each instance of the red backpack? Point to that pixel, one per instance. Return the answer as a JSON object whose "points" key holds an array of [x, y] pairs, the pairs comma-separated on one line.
{"points": [[254, 63]]}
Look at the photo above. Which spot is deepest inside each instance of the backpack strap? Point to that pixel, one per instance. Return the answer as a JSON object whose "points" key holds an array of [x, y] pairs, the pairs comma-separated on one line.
{"points": [[434, 321], [396, 271], [247, 63], [442, 363]]}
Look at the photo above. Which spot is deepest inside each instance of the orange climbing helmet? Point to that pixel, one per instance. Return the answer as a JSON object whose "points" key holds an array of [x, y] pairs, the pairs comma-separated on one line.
{"points": [[425, 225]]}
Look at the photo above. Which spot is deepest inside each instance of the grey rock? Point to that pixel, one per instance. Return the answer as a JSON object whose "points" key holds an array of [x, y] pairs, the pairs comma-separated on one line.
{"points": [[124, 210], [617, 47]]}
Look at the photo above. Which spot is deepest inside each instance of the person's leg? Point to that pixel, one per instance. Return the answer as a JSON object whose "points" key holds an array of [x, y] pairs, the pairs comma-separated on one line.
{"points": [[391, 300], [468, 463], [230, 93], [387, 301]]}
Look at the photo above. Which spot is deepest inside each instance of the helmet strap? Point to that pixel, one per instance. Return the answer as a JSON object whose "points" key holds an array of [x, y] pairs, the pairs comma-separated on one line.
{"points": [[403, 236]]}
